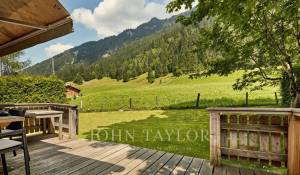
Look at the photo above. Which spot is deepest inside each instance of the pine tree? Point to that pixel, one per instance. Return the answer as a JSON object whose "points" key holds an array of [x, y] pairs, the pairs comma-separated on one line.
{"points": [[151, 76], [78, 79]]}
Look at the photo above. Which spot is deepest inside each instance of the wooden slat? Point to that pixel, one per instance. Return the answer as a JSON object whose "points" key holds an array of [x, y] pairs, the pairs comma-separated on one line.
{"points": [[73, 161], [170, 165], [232, 171], [219, 170], [99, 160], [206, 168], [120, 165], [157, 165], [183, 165], [144, 165], [254, 154], [255, 128], [194, 167], [110, 158], [134, 163]]}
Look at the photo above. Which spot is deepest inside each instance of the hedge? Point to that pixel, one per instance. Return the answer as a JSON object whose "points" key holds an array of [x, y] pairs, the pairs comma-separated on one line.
{"points": [[31, 89]]}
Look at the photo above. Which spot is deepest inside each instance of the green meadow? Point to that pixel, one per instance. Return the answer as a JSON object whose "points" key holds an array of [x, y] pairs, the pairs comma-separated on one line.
{"points": [[168, 93]]}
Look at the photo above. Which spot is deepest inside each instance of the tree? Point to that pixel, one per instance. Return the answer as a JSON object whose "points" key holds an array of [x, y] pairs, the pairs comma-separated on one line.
{"points": [[10, 64], [260, 37], [151, 76], [78, 79]]}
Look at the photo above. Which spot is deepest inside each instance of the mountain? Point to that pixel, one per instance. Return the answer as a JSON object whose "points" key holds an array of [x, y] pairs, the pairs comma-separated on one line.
{"points": [[92, 51]]}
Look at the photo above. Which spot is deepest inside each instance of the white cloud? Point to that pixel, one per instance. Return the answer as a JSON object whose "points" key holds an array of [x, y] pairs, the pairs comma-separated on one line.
{"points": [[58, 48], [111, 17]]}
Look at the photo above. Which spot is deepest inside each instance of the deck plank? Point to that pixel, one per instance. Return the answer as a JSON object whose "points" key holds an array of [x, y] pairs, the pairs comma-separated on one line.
{"points": [[157, 165], [57, 157], [76, 157], [183, 165], [109, 160], [220, 170], [206, 168], [136, 162], [120, 166], [195, 167], [96, 159], [170, 165], [146, 164], [233, 171]]}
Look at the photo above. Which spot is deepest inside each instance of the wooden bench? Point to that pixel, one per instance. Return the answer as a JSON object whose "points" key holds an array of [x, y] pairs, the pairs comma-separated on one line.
{"points": [[48, 114]]}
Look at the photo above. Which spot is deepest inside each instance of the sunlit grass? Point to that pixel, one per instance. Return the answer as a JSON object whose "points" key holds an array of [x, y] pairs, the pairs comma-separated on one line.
{"points": [[167, 93], [183, 132]]}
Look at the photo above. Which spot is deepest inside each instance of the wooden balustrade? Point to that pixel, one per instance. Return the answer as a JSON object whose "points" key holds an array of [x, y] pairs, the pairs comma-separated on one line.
{"points": [[265, 135], [70, 116]]}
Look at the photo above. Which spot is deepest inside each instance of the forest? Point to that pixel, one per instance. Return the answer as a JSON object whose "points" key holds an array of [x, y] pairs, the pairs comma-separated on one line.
{"points": [[171, 50]]}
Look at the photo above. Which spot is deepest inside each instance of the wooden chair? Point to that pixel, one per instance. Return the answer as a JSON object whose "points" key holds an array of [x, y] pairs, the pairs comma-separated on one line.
{"points": [[12, 145]]}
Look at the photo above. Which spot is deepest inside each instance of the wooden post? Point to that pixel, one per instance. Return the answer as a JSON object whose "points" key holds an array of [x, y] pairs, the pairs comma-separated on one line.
{"points": [[215, 139], [130, 103], [198, 101], [247, 98], [276, 98], [81, 104], [294, 145], [72, 123]]}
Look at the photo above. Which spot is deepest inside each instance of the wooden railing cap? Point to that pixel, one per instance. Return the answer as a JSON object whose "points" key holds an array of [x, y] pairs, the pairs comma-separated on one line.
{"points": [[251, 109]]}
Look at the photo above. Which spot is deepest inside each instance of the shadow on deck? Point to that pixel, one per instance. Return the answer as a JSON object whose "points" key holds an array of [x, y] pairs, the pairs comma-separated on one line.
{"points": [[52, 156]]}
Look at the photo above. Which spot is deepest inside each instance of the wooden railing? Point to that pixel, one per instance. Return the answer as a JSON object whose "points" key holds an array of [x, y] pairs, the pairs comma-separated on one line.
{"points": [[70, 116], [265, 135]]}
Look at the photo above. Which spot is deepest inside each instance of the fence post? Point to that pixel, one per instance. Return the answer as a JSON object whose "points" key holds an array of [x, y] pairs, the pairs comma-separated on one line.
{"points": [[130, 103], [198, 101], [276, 98], [294, 145], [247, 98], [215, 139], [81, 104]]}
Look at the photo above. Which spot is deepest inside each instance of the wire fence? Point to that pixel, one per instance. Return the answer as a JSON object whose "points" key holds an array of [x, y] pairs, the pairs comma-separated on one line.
{"points": [[150, 102]]}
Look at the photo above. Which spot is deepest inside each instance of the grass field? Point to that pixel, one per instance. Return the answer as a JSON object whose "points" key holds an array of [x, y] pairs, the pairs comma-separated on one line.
{"points": [[167, 93], [183, 132]]}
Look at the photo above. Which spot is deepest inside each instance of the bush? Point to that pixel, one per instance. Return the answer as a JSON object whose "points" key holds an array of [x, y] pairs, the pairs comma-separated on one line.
{"points": [[29, 89]]}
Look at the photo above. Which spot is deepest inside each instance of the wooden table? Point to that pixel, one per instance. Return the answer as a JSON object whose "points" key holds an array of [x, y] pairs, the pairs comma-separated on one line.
{"points": [[47, 114], [5, 121]]}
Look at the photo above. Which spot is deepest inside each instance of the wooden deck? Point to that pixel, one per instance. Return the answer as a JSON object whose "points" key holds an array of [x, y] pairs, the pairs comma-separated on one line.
{"points": [[62, 157]]}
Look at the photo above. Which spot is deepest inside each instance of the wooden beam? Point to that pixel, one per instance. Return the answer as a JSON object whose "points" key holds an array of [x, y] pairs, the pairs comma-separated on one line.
{"points": [[23, 23], [36, 33]]}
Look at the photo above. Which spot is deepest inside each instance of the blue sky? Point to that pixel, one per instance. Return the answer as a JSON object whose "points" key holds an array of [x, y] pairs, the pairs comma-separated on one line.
{"points": [[96, 19]]}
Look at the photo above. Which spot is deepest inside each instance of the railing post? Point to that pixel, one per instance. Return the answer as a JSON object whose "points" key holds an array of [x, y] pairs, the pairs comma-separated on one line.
{"points": [[72, 123], [215, 139], [294, 145]]}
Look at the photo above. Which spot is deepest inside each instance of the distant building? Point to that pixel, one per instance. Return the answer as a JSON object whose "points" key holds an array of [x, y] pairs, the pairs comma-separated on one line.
{"points": [[72, 91]]}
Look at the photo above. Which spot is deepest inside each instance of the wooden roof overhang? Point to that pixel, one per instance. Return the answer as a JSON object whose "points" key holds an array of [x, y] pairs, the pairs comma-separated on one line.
{"points": [[25, 23]]}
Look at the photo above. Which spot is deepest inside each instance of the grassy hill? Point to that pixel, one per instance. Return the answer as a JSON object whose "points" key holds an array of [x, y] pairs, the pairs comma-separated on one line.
{"points": [[168, 93]]}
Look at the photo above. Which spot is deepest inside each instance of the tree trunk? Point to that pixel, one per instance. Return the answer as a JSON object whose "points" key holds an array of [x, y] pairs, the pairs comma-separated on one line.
{"points": [[296, 101]]}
